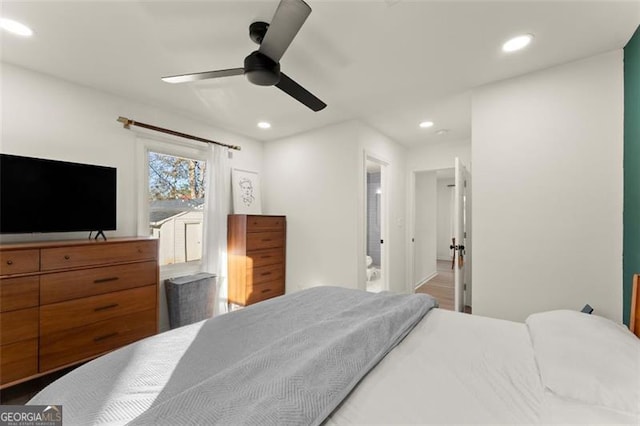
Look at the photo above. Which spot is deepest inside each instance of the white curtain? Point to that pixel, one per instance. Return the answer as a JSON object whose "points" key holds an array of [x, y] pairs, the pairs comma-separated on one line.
{"points": [[216, 208]]}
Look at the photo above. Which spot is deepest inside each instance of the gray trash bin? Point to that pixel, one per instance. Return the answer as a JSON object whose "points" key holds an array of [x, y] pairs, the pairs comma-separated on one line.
{"points": [[190, 298]]}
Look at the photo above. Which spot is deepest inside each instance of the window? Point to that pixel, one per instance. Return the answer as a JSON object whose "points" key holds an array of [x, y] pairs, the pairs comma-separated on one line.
{"points": [[176, 194]]}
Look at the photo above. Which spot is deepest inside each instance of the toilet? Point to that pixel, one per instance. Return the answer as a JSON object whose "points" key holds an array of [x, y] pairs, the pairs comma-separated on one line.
{"points": [[371, 272]]}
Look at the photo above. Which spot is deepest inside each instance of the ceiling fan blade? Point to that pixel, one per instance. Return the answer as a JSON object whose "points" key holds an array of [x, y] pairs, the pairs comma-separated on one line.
{"points": [[286, 22], [301, 94], [185, 78]]}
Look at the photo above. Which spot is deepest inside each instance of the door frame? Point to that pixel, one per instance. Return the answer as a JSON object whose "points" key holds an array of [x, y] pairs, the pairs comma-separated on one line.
{"points": [[410, 246], [369, 156]]}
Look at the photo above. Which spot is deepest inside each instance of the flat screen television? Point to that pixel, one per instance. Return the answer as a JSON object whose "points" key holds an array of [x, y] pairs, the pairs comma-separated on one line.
{"points": [[38, 195]]}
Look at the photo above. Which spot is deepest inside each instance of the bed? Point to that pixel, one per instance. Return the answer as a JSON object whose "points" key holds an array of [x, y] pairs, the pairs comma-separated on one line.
{"points": [[333, 356]]}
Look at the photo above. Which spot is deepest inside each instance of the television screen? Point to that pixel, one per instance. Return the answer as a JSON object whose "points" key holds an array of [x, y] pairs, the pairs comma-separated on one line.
{"points": [[38, 195]]}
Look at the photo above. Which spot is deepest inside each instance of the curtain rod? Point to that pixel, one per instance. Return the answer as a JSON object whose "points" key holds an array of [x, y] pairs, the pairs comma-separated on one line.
{"points": [[127, 123]]}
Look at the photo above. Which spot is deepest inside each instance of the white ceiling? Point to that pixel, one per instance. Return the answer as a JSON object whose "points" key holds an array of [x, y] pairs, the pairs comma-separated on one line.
{"points": [[388, 63]]}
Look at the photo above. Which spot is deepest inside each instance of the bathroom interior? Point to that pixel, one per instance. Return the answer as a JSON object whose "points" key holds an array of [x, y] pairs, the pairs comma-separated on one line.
{"points": [[374, 225]]}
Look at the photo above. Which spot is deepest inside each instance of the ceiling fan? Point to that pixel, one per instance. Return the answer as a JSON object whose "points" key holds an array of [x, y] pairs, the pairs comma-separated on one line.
{"points": [[262, 67]]}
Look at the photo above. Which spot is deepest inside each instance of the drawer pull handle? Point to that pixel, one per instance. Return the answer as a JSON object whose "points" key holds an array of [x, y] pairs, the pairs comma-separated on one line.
{"points": [[103, 308], [265, 273], [9, 262], [106, 336], [67, 257], [266, 290], [265, 257], [139, 250], [266, 239], [105, 280]]}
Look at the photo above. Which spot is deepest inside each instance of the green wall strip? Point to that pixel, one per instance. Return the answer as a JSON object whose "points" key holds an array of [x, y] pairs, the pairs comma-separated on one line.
{"points": [[631, 244]]}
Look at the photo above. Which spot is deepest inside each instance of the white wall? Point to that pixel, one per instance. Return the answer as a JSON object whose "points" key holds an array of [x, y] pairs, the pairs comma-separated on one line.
{"points": [[444, 218], [439, 156], [547, 190], [317, 180], [46, 117], [425, 234]]}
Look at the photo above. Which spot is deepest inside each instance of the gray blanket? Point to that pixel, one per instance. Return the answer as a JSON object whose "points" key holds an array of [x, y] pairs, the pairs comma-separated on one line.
{"points": [[288, 360]]}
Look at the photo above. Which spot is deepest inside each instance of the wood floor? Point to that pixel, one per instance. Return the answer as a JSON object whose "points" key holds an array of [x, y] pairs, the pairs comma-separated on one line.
{"points": [[441, 286]]}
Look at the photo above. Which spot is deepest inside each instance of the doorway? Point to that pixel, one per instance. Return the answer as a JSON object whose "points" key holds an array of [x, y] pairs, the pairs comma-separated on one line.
{"points": [[375, 224], [440, 234]]}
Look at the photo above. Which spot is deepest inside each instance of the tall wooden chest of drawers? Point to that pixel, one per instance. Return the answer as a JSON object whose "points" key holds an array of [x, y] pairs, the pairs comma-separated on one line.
{"points": [[66, 302], [256, 249]]}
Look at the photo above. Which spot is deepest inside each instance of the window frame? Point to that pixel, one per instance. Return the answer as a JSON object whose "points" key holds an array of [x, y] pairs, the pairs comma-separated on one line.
{"points": [[174, 148]]}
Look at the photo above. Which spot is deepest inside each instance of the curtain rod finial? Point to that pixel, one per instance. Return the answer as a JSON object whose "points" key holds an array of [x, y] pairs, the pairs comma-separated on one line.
{"points": [[125, 122]]}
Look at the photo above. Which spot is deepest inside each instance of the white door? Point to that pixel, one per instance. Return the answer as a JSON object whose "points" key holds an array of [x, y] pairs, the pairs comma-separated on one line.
{"points": [[460, 234]]}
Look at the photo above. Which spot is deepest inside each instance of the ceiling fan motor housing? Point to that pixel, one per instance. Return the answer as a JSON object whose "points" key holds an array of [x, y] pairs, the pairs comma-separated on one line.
{"points": [[261, 70]]}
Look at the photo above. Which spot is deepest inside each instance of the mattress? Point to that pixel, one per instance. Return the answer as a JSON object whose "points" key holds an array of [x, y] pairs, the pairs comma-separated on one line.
{"points": [[452, 368]]}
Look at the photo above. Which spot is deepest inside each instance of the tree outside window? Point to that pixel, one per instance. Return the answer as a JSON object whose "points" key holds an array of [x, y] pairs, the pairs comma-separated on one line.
{"points": [[176, 203]]}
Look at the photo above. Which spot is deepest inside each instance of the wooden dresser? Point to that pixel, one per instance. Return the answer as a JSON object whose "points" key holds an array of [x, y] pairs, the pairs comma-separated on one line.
{"points": [[66, 302], [256, 257]]}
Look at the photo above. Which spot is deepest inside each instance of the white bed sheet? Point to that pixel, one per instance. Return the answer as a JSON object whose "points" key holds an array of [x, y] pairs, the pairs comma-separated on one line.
{"points": [[452, 368]]}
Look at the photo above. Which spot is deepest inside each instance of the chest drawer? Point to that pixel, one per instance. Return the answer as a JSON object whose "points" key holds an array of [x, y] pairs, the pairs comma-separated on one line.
{"points": [[76, 313], [18, 325], [63, 286], [62, 348], [18, 293], [98, 254], [265, 223], [18, 360], [264, 240], [19, 261], [263, 274], [258, 258], [265, 291]]}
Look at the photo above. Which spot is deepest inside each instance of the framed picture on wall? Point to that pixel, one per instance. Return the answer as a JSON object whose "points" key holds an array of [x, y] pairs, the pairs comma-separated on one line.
{"points": [[246, 192]]}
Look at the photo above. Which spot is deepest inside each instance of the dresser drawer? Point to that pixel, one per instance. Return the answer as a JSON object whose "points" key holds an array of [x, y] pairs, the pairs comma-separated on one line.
{"points": [[265, 223], [76, 313], [18, 325], [18, 293], [65, 347], [265, 291], [97, 254], [63, 286], [258, 258], [19, 261], [264, 240], [18, 360], [263, 274]]}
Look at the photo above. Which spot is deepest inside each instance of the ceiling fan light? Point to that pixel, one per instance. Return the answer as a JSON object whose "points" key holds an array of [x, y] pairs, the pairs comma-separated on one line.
{"points": [[261, 70], [262, 77]]}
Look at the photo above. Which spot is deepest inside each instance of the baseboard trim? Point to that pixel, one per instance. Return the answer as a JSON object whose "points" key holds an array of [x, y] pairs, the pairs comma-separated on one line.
{"points": [[424, 281]]}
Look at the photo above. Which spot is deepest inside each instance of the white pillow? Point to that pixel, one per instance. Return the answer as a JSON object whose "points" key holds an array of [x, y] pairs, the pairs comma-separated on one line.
{"points": [[587, 358]]}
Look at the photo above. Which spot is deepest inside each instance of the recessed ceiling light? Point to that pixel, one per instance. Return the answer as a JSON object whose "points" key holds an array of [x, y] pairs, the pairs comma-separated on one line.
{"points": [[517, 43], [442, 132], [15, 27], [264, 125], [426, 124]]}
